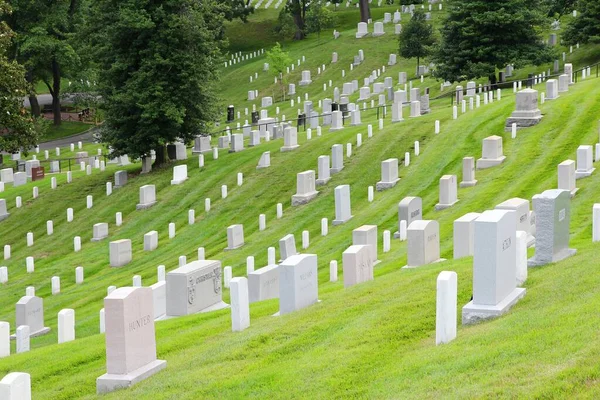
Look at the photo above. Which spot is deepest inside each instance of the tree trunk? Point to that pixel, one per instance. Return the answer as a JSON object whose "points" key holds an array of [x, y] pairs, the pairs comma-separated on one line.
{"points": [[33, 102], [365, 12], [417, 71], [56, 93], [299, 21], [493, 81], [161, 156]]}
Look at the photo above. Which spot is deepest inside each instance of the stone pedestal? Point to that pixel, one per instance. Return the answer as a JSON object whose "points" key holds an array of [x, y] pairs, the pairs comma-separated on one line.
{"points": [[527, 112]]}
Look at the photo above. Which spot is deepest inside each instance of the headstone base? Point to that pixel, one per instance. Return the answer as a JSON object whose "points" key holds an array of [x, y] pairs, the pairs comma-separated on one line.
{"points": [[439, 207], [533, 262], [305, 83], [298, 200], [340, 222], [235, 151], [41, 332], [178, 181], [335, 170], [417, 266], [98, 239], [573, 192], [472, 313], [144, 206], [521, 123], [378, 34], [333, 129], [111, 382], [234, 248], [215, 307], [381, 186], [484, 163], [580, 174], [3, 217], [277, 314], [262, 166], [318, 182], [289, 148], [361, 35], [464, 184]]}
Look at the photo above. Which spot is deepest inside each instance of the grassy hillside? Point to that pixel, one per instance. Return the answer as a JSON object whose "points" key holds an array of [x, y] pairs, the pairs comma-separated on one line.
{"points": [[375, 340]]}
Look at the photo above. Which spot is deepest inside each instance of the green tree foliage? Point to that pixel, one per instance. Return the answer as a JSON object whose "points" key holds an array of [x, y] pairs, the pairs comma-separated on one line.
{"points": [[585, 28], [45, 32], [18, 129], [479, 36], [238, 9], [158, 64], [417, 38], [559, 7], [278, 61], [319, 18], [285, 27], [297, 9]]}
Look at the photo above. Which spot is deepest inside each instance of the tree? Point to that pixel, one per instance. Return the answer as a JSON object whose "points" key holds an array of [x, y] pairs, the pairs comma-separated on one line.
{"points": [[318, 18], [18, 129], [285, 27], [585, 28], [298, 8], [365, 11], [479, 36], [417, 39], [559, 7], [238, 9], [278, 62], [158, 64], [44, 43]]}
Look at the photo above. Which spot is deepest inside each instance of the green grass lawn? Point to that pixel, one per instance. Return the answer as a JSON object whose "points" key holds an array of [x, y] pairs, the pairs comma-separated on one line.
{"points": [[374, 340], [66, 128]]}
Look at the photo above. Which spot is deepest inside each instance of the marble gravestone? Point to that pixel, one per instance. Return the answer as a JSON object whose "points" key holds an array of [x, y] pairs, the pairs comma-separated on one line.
{"points": [[527, 112], [389, 174], [585, 162], [409, 209], [120, 179], [492, 153], [343, 211], [147, 197], [423, 243], [494, 267], [202, 145], [298, 283], [3, 211], [522, 213], [30, 312], [235, 237], [195, 288], [120, 253], [468, 172], [16, 386], [566, 176], [263, 283], [287, 247], [464, 235], [130, 339], [553, 216], [448, 192], [240, 307], [367, 235], [357, 265], [305, 188]]}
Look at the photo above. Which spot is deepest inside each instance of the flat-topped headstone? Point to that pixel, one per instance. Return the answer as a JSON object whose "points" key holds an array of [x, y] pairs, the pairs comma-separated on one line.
{"points": [[19, 179], [448, 192], [464, 229], [357, 265], [343, 212], [120, 253], [290, 139], [224, 142], [367, 235], [445, 310], [3, 210], [527, 112], [409, 209], [235, 237], [120, 179], [22, 338], [337, 158], [66, 325], [492, 153], [298, 283], [305, 79], [130, 339], [563, 83], [305, 188], [389, 174], [378, 29], [237, 143], [159, 299], [176, 151], [468, 172], [553, 216], [6, 175], [240, 306], [195, 288], [551, 89], [324, 170], [99, 232], [494, 267], [180, 174], [522, 215], [566, 176], [585, 162], [147, 197], [423, 243], [263, 284], [202, 145], [16, 386], [30, 312], [151, 241], [287, 246]]}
